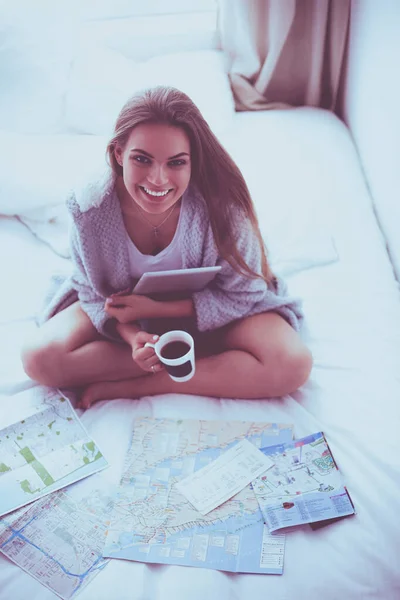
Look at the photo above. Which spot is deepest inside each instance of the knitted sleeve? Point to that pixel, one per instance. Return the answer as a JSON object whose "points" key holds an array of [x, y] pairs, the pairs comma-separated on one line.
{"points": [[233, 295], [91, 302]]}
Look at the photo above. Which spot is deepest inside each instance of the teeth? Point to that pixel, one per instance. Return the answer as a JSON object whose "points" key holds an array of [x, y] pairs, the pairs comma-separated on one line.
{"points": [[155, 193]]}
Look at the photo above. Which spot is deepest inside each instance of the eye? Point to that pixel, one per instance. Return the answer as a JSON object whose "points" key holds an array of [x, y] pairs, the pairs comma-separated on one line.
{"points": [[178, 162], [141, 159]]}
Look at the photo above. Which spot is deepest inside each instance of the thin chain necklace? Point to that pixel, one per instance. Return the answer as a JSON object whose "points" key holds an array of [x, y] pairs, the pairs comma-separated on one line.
{"points": [[157, 227]]}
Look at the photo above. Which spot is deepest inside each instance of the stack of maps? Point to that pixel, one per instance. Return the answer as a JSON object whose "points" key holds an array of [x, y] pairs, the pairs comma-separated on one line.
{"points": [[62, 527]]}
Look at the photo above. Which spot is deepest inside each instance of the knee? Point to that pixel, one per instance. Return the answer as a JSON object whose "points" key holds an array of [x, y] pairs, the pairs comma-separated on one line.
{"points": [[295, 368], [286, 369], [41, 364]]}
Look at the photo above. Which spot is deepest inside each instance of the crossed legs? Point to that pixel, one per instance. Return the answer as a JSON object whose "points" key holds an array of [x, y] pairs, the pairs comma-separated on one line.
{"points": [[256, 357]]}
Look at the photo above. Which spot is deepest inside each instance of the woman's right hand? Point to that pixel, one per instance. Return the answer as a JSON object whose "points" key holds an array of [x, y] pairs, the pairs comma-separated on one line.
{"points": [[145, 357]]}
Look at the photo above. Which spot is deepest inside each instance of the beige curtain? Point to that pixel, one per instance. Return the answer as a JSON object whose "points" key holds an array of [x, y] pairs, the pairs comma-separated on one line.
{"points": [[284, 52]]}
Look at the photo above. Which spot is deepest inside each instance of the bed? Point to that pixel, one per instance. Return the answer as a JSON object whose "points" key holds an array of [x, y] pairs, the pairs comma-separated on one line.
{"points": [[317, 217]]}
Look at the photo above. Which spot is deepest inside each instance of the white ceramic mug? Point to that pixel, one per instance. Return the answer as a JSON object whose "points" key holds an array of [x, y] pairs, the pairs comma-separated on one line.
{"points": [[171, 352]]}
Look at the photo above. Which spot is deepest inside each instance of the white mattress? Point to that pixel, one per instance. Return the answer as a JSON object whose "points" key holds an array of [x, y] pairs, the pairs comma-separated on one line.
{"points": [[303, 171]]}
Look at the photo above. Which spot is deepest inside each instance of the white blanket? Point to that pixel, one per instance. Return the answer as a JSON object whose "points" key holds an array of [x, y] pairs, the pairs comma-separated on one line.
{"points": [[304, 174]]}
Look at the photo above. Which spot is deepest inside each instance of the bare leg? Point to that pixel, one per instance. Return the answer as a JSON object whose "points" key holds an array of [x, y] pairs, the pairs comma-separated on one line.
{"points": [[263, 357], [68, 351], [98, 361]]}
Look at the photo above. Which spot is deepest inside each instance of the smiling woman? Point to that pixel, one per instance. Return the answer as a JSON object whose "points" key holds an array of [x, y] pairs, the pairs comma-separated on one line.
{"points": [[156, 169], [172, 199]]}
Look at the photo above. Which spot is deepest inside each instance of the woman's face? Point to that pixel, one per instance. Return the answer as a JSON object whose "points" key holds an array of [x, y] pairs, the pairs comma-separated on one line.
{"points": [[156, 165]]}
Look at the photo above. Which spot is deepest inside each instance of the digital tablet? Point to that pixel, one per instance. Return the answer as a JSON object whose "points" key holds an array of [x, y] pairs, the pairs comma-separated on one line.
{"points": [[180, 280]]}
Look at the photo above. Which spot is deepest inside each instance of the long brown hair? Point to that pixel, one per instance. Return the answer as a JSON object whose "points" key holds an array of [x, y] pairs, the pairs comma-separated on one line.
{"points": [[214, 173]]}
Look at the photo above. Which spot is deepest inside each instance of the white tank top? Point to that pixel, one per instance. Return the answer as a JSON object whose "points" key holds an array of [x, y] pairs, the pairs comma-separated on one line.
{"points": [[169, 258]]}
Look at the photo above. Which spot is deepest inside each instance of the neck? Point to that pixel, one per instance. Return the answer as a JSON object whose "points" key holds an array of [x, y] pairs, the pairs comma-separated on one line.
{"points": [[133, 210]]}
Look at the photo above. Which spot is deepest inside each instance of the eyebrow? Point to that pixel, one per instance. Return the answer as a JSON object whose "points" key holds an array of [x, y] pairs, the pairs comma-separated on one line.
{"points": [[151, 156]]}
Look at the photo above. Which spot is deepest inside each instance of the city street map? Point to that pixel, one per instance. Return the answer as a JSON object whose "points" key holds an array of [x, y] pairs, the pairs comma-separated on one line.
{"points": [[59, 539], [48, 450], [153, 522]]}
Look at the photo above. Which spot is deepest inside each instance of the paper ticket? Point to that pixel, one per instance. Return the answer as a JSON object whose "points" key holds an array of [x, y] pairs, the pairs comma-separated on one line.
{"points": [[218, 481]]}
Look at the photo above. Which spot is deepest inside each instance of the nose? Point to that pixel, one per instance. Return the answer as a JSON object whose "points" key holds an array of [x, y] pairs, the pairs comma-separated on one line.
{"points": [[157, 175]]}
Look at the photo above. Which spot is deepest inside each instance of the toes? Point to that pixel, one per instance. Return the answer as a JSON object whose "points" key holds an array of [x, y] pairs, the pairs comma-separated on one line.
{"points": [[85, 404], [86, 399]]}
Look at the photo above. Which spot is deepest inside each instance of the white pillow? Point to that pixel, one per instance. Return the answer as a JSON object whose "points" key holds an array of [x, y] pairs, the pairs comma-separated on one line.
{"points": [[284, 166], [202, 76], [36, 50], [102, 80], [283, 155], [39, 170]]}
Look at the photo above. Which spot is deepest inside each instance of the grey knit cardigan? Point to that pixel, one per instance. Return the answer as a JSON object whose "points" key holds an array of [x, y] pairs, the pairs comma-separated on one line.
{"points": [[101, 264]]}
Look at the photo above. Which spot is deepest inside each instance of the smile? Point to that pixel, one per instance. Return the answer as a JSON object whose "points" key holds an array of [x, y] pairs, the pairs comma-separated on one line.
{"points": [[157, 194]]}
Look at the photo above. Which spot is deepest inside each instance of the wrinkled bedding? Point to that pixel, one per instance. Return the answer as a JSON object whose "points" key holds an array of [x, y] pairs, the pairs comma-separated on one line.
{"points": [[318, 221]]}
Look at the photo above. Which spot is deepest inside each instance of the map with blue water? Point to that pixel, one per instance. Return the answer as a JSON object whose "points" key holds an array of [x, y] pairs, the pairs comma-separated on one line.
{"points": [[59, 539], [153, 522]]}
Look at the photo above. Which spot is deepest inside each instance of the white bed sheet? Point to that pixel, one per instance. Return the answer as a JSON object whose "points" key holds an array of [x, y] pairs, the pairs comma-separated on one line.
{"points": [[353, 329]]}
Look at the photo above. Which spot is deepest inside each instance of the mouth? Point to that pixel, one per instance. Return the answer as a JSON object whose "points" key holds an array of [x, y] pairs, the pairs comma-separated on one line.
{"points": [[155, 194]]}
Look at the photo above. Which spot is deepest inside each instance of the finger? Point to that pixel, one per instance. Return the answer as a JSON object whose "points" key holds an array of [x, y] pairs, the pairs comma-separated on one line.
{"points": [[117, 311], [114, 310], [110, 309], [152, 361], [148, 364], [120, 301], [143, 338], [144, 344], [156, 368], [144, 354]]}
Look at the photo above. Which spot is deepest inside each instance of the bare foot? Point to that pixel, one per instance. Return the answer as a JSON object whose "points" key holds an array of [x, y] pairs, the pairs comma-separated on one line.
{"points": [[104, 390], [147, 384]]}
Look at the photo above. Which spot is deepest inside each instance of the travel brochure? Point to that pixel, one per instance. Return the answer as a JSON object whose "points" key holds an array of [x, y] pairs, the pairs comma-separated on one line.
{"points": [[303, 486]]}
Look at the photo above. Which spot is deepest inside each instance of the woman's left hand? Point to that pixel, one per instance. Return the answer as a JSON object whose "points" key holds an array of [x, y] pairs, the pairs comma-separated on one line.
{"points": [[130, 307]]}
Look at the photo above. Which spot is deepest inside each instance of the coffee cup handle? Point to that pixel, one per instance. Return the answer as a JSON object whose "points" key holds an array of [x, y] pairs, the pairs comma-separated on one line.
{"points": [[149, 345]]}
